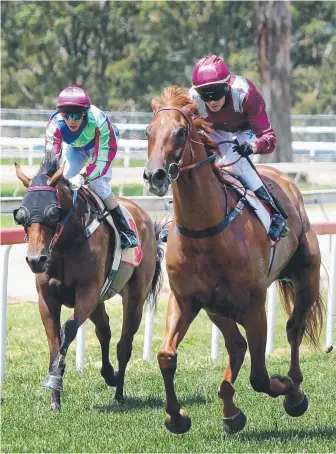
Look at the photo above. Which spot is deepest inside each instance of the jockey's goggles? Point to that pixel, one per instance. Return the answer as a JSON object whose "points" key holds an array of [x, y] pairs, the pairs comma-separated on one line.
{"points": [[213, 93], [72, 116]]}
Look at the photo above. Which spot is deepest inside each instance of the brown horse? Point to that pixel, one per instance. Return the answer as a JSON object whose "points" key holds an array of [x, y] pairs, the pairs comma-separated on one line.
{"points": [[73, 272], [218, 258]]}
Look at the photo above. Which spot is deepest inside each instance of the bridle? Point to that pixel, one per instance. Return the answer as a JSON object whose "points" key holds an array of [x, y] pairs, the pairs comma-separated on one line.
{"points": [[176, 169]]}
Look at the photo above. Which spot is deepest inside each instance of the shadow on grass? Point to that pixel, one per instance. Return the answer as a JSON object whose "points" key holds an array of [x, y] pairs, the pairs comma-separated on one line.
{"points": [[328, 433], [132, 403]]}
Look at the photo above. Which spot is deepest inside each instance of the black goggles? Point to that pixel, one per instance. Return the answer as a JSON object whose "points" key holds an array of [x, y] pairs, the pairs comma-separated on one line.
{"points": [[213, 93], [39, 205], [50, 216]]}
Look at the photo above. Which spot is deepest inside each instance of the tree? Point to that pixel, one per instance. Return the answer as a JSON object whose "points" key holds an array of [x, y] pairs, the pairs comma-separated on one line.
{"points": [[274, 46]]}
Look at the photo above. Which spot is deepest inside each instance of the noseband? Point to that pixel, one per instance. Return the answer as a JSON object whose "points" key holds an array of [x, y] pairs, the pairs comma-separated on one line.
{"points": [[175, 169]]}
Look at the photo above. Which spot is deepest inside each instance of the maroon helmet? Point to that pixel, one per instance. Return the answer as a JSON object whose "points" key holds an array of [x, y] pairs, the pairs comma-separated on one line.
{"points": [[210, 70], [73, 96]]}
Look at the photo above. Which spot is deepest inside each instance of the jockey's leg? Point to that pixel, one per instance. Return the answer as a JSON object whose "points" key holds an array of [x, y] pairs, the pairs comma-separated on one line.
{"points": [[251, 179], [102, 187], [74, 161]]}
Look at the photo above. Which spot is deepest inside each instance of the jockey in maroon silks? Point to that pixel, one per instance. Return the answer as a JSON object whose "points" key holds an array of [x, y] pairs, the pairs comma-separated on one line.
{"points": [[235, 108], [80, 134]]}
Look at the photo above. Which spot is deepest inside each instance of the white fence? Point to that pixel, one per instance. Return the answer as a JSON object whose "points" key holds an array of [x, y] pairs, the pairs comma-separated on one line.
{"points": [[149, 315]]}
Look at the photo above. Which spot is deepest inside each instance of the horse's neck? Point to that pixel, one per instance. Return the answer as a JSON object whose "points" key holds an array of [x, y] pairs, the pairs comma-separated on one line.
{"points": [[199, 200], [75, 223]]}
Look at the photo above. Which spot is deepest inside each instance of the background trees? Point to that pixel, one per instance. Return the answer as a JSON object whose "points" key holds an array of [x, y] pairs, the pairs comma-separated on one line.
{"points": [[124, 53]]}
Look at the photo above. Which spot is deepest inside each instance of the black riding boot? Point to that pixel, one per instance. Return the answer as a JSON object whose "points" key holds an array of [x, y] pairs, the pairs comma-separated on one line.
{"points": [[128, 238], [279, 227], [164, 235]]}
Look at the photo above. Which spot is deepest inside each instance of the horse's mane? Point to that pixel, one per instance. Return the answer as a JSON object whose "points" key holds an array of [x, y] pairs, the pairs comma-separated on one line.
{"points": [[49, 166], [178, 97]]}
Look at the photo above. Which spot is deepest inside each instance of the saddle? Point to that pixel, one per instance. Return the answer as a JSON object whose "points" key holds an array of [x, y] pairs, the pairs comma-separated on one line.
{"points": [[124, 261], [260, 208]]}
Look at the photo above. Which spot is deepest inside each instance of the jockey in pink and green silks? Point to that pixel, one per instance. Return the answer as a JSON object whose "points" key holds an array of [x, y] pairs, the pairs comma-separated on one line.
{"points": [[79, 134]]}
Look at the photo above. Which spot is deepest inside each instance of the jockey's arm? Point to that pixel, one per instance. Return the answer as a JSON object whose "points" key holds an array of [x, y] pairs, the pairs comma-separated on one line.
{"points": [[53, 139], [254, 106], [106, 144]]}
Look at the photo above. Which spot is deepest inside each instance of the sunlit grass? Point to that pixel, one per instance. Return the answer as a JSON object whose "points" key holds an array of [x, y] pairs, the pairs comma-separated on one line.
{"points": [[91, 422]]}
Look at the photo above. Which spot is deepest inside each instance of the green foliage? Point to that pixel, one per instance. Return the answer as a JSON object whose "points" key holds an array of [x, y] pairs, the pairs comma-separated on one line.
{"points": [[124, 53]]}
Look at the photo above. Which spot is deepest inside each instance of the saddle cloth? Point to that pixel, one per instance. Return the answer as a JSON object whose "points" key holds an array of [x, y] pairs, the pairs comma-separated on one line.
{"points": [[131, 256], [134, 255]]}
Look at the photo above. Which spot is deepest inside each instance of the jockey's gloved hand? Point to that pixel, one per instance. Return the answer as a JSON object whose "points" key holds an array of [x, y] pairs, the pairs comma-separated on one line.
{"points": [[76, 182], [244, 149]]}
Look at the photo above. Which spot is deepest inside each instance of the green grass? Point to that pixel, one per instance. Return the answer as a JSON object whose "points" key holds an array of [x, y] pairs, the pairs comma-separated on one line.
{"points": [[91, 422]]}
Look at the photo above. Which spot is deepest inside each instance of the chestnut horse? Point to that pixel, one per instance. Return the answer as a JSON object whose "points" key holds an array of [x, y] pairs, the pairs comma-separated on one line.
{"points": [[73, 272], [223, 266]]}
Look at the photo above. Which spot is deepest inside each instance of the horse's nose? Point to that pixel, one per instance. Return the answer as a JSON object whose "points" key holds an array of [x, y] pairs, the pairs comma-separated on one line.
{"points": [[147, 175], [37, 263], [159, 178]]}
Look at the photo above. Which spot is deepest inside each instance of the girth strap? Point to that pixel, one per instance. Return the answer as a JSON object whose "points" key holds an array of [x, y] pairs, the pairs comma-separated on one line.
{"points": [[212, 231]]}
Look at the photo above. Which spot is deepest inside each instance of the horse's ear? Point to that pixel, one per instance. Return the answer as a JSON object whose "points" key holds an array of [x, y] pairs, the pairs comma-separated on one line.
{"points": [[56, 177], [21, 176], [155, 105]]}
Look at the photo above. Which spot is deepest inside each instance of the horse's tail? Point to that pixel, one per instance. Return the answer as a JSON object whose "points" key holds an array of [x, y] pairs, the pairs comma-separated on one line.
{"points": [[158, 276], [315, 314]]}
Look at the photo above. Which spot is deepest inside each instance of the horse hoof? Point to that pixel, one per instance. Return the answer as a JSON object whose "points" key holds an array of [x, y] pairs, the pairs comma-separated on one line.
{"points": [[119, 398], [179, 424], [54, 382], [110, 376], [298, 409], [283, 379], [55, 407], [232, 426], [111, 381]]}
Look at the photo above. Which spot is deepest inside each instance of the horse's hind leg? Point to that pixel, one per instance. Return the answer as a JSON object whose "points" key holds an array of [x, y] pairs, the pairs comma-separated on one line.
{"points": [[234, 418], [132, 313], [100, 319], [255, 324], [304, 272]]}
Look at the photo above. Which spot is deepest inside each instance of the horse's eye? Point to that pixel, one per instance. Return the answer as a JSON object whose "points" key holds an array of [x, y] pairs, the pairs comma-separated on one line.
{"points": [[21, 216], [180, 136], [52, 214]]}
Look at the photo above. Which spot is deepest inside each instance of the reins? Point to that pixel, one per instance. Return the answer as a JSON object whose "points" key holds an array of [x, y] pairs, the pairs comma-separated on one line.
{"points": [[175, 170]]}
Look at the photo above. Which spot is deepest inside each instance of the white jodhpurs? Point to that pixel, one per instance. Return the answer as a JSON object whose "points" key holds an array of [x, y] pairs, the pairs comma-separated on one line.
{"points": [[75, 159], [242, 168]]}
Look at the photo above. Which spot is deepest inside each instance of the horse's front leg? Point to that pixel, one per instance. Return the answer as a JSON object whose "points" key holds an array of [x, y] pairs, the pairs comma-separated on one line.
{"points": [[50, 315], [179, 317], [255, 324], [86, 301]]}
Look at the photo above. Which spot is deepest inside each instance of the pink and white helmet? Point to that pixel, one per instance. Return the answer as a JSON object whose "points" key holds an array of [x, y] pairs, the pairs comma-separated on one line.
{"points": [[210, 70], [73, 96]]}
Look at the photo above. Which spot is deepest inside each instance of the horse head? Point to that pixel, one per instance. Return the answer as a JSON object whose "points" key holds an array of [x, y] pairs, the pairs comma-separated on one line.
{"points": [[168, 135], [40, 212]]}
